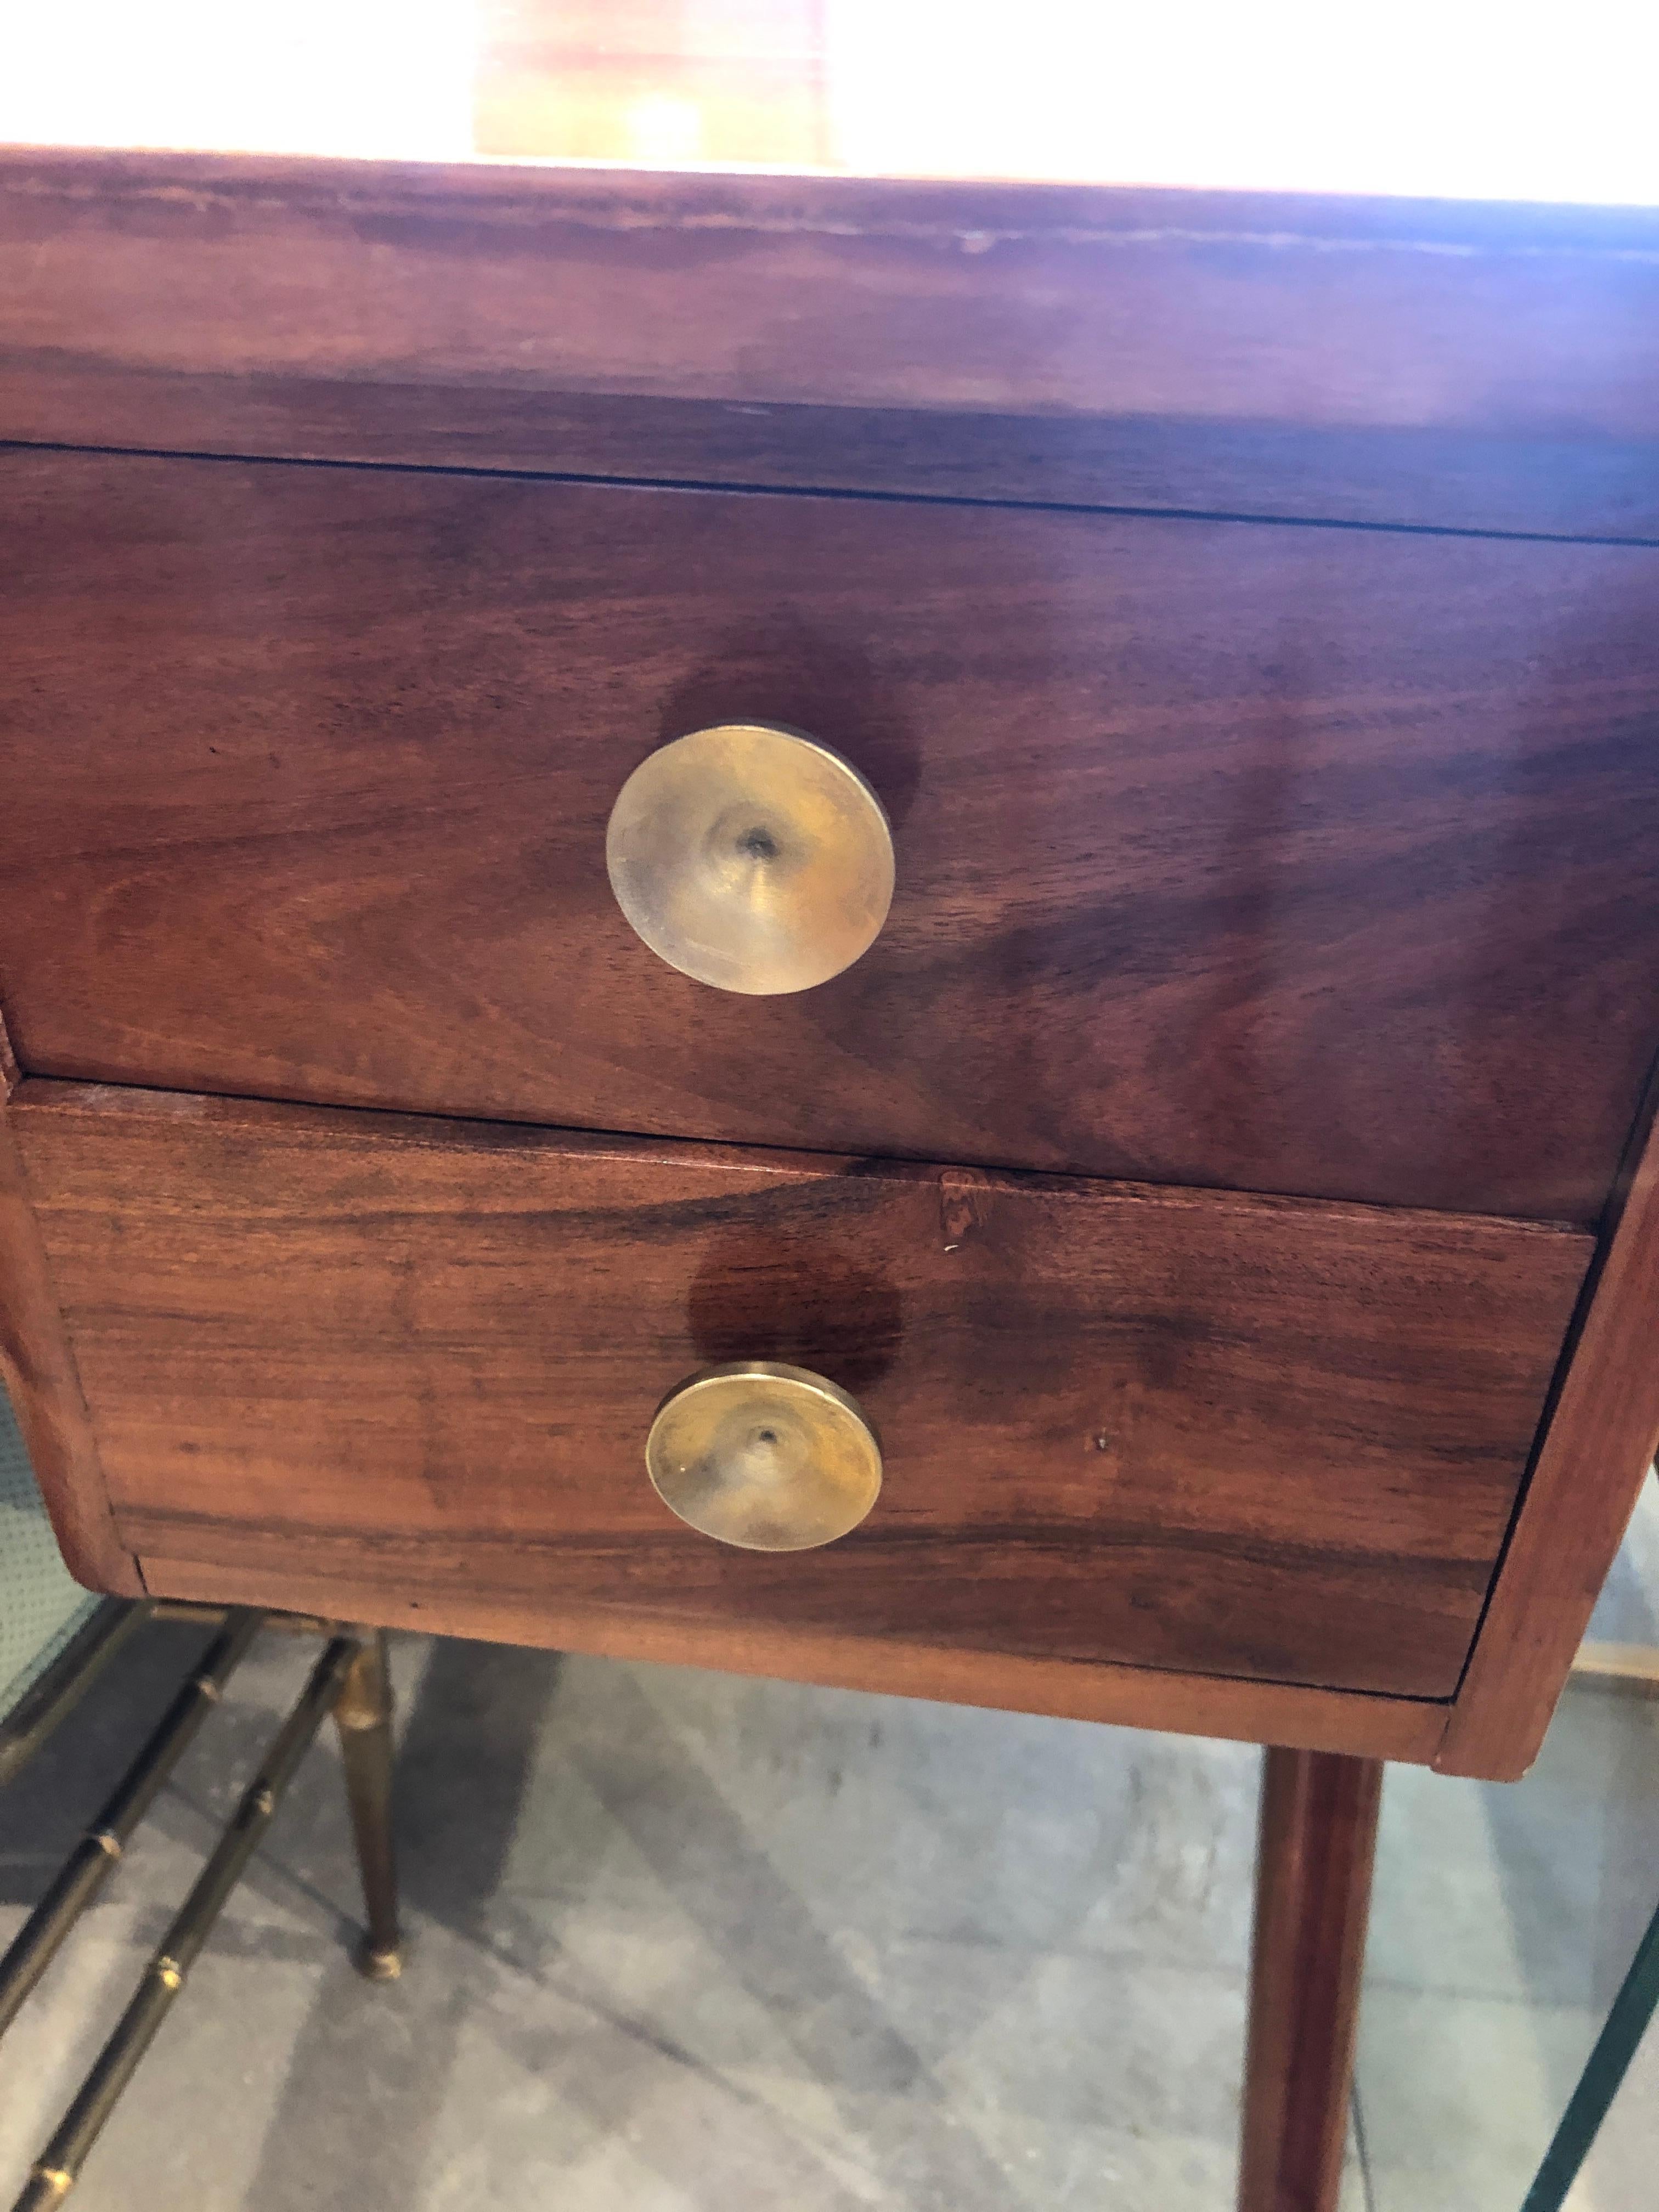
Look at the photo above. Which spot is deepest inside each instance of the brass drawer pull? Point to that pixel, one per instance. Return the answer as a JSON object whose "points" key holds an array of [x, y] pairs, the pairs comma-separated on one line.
{"points": [[767, 1457], [753, 858]]}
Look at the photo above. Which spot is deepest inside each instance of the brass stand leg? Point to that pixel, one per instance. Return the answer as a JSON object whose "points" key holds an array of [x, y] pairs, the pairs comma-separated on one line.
{"points": [[93, 1859], [362, 1713], [58, 2166], [1313, 1895]]}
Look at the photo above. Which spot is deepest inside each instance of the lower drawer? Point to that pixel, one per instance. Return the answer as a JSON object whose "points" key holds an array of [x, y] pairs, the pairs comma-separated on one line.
{"points": [[1227, 1435]]}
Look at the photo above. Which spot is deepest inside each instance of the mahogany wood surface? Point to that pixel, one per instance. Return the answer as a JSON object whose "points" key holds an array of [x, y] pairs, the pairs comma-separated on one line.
{"points": [[1367, 360], [37, 1374], [1318, 1841], [1427, 479], [1600, 1439], [1323, 862], [1404, 1729], [1218, 1434]]}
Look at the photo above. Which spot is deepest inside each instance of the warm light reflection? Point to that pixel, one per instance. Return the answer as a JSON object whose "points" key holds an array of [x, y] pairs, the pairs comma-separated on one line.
{"points": [[664, 132], [376, 77], [1487, 99]]}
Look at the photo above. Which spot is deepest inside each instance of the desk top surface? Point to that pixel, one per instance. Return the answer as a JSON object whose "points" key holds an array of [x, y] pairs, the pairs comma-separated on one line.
{"points": [[1458, 99]]}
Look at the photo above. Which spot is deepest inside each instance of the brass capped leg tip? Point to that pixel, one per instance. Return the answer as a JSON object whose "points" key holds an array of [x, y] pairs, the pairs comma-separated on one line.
{"points": [[379, 1966]]}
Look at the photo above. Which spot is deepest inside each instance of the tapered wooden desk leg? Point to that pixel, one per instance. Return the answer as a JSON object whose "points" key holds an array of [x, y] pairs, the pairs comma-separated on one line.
{"points": [[1313, 1893], [362, 1714]]}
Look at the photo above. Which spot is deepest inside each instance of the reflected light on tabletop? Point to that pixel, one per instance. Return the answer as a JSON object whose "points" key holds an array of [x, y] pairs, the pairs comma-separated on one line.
{"points": [[1465, 99]]}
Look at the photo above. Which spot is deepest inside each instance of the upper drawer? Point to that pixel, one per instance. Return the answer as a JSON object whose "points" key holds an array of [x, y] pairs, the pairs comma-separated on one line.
{"points": [[1237, 1436], [1287, 858]]}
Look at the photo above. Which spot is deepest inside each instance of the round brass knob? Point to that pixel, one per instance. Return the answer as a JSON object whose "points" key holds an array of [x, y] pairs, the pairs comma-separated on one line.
{"points": [[751, 858], [767, 1457]]}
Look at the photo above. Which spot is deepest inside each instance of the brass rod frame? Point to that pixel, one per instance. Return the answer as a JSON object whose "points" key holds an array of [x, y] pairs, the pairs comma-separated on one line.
{"points": [[92, 1860], [200, 1615], [65, 1682], [58, 2167]]}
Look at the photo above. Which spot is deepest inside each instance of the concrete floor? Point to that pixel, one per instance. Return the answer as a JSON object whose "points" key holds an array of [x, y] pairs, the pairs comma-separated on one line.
{"points": [[681, 1941]]}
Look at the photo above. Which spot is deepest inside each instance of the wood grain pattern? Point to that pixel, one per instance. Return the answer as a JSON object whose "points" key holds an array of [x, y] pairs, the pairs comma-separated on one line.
{"points": [[1397, 476], [1601, 1436], [1228, 854], [1217, 1434], [37, 1373], [1519, 337], [1318, 1842], [1403, 1728]]}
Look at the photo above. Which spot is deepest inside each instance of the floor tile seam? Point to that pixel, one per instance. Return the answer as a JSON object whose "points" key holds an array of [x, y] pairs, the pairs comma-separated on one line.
{"points": [[1454, 1993], [1362, 2148], [340, 1915], [518, 1899]]}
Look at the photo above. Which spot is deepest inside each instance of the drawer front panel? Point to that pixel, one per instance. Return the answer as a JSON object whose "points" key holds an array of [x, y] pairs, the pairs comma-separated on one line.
{"points": [[1228, 854], [1246, 1436]]}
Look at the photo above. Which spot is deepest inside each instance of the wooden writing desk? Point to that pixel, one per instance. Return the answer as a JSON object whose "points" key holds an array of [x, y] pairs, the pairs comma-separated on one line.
{"points": [[1223, 1181]]}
